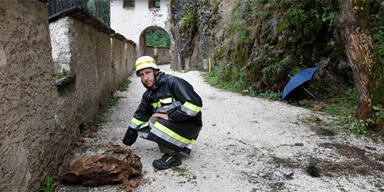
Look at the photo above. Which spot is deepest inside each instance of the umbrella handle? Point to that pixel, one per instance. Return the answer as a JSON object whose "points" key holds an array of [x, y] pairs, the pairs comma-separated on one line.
{"points": [[308, 92]]}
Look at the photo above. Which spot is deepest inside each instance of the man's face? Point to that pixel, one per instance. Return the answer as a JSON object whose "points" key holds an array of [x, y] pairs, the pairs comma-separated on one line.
{"points": [[147, 76]]}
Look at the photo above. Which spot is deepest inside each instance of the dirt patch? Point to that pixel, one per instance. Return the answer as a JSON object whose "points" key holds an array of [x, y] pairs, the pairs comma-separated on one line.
{"points": [[321, 167], [359, 162], [322, 131], [285, 162]]}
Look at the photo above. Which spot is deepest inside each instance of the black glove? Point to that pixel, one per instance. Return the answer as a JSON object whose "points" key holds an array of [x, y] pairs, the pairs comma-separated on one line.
{"points": [[130, 136]]}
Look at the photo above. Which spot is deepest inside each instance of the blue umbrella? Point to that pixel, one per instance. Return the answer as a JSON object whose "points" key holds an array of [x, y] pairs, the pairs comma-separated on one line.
{"points": [[299, 79]]}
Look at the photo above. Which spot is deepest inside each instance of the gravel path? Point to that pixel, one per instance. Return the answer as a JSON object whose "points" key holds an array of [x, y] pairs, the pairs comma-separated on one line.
{"points": [[248, 144]]}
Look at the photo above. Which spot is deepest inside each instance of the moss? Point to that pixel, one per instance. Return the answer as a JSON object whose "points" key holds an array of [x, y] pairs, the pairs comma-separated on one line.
{"points": [[301, 38], [61, 75]]}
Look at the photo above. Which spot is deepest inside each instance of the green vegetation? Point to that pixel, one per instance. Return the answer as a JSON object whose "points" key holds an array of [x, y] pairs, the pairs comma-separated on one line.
{"points": [[157, 38], [183, 172], [233, 76], [188, 21], [344, 109], [111, 101], [267, 54], [100, 9], [124, 85], [48, 185], [271, 95], [61, 75], [313, 170]]}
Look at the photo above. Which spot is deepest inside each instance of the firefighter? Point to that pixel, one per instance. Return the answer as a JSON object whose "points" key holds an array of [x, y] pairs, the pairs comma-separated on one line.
{"points": [[168, 114]]}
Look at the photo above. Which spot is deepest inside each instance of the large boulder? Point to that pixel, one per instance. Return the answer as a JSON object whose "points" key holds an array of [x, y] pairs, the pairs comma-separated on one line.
{"points": [[101, 165]]}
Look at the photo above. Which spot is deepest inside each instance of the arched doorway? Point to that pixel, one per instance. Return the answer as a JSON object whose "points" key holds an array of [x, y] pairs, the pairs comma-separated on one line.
{"points": [[155, 42]]}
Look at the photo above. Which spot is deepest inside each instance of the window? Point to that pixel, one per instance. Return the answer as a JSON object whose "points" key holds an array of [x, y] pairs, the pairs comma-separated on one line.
{"points": [[128, 3], [154, 3]]}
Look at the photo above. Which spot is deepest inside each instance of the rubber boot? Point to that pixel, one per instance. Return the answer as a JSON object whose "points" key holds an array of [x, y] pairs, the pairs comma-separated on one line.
{"points": [[167, 161]]}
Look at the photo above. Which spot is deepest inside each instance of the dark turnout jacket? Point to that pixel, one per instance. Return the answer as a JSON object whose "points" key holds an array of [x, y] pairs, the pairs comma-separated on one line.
{"points": [[176, 97]]}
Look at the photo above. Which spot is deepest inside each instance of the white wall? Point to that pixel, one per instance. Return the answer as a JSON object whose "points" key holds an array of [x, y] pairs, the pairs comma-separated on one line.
{"points": [[131, 22]]}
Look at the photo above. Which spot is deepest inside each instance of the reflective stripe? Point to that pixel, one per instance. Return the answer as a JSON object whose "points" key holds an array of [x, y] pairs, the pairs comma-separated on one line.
{"points": [[156, 105], [166, 100], [169, 158], [143, 135], [171, 133], [188, 111], [143, 125], [189, 146], [135, 123], [166, 108], [166, 137], [192, 107], [133, 126], [138, 64]]}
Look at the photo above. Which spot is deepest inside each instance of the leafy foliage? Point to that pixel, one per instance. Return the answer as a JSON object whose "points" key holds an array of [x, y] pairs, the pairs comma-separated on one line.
{"points": [[157, 38], [271, 52], [100, 9], [124, 85], [233, 79]]}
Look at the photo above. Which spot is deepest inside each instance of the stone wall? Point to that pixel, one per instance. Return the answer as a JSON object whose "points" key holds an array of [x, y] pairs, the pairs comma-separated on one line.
{"points": [[29, 136], [161, 54], [39, 122]]}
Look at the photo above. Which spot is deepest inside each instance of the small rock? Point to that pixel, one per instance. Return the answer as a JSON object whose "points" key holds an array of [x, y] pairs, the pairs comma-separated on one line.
{"points": [[303, 102], [317, 108], [245, 92], [371, 148], [289, 176], [213, 125]]}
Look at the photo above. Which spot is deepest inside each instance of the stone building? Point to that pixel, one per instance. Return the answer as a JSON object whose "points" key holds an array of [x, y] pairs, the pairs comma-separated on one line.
{"points": [[132, 18]]}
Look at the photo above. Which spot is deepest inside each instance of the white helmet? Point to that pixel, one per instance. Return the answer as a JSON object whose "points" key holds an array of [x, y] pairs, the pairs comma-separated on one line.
{"points": [[145, 62]]}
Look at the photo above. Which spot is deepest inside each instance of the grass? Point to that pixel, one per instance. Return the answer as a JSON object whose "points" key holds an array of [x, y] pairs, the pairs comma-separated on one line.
{"points": [[48, 185], [111, 101], [124, 85], [183, 172]]}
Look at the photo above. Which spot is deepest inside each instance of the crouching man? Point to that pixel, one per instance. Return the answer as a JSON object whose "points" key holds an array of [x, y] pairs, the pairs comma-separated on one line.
{"points": [[168, 114]]}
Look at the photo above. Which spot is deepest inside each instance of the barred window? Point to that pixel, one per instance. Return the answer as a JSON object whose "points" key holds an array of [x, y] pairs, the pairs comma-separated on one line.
{"points": [[154, 3], [128, 3]]}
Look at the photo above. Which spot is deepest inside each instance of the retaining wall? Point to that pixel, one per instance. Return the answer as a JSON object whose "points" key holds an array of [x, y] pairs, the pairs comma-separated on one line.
{"points": [[38, 121]]}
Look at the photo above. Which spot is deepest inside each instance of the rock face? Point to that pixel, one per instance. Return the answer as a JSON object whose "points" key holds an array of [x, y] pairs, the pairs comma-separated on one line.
{"points": [[264, 41], [193, 30], [102, 165]]}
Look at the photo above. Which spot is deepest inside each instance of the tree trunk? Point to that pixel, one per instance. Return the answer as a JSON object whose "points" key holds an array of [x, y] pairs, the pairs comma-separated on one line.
{"points": [[360, 51]]}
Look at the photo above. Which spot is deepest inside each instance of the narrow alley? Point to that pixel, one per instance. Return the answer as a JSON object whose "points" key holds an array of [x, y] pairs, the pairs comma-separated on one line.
{"points": [[246, 144]]}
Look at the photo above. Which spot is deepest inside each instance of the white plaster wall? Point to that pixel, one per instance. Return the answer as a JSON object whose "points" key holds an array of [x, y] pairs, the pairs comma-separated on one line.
{"points": [[60, 45], [131, 22]]}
